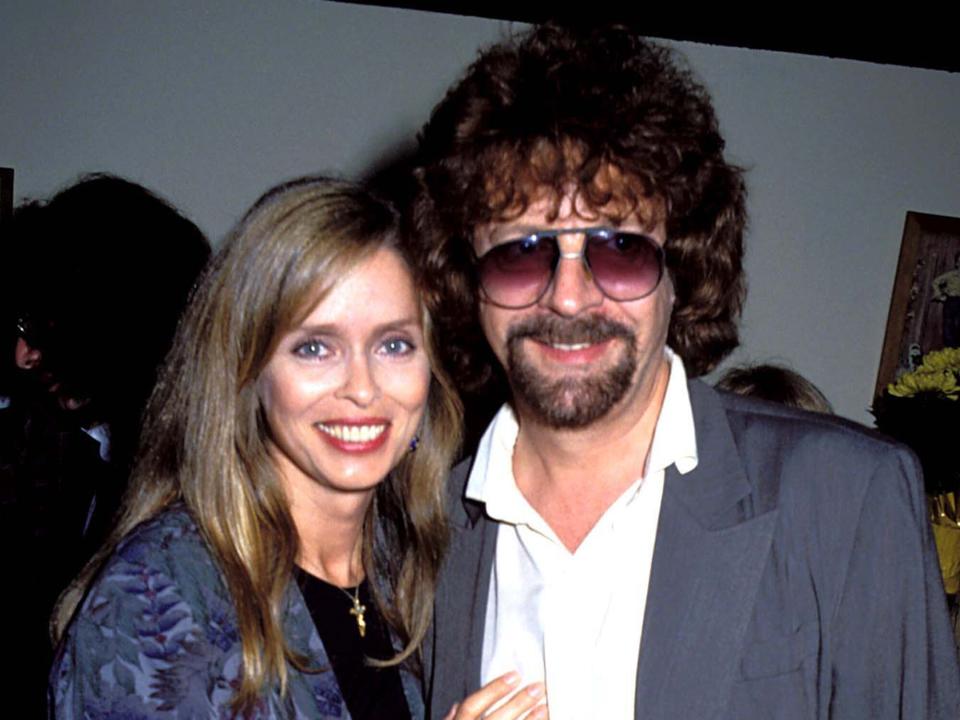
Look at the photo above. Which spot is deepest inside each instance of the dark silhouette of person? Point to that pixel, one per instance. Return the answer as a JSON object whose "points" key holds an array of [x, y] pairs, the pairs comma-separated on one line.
{"points": [[95, 280]]}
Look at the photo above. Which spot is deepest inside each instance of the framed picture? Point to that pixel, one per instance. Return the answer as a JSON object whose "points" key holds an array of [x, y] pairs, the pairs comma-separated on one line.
{"points": [[925, 307], [6, 193]]}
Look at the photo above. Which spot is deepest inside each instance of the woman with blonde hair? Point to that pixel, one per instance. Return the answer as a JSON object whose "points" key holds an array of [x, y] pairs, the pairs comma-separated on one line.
{"points": [[277, 551]]}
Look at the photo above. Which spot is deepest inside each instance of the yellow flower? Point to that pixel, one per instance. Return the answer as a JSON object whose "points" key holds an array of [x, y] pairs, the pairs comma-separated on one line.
{"points": [[943, 382], [937, 360]]}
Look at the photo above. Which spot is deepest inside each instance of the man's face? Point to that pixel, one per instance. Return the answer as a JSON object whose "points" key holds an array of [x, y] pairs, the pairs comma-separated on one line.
{"points": [[575, 355]]}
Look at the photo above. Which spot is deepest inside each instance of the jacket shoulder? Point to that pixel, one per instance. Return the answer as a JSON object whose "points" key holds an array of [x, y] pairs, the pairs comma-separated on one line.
{"points": [[739, 406], [762, 427], [803, 461], [169, 545], [156, 630]]}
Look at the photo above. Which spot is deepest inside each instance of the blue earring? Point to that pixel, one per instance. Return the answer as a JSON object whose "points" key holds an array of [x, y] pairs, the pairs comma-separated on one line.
{"points": [[414, 442]]}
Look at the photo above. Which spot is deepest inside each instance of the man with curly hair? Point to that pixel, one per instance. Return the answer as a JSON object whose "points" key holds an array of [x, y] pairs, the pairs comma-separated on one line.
{"points": [[644, 545]]}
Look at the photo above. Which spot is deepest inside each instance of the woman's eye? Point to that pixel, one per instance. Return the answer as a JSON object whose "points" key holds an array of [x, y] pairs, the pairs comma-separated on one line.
{"points": [[397, 346], [311, 349]]}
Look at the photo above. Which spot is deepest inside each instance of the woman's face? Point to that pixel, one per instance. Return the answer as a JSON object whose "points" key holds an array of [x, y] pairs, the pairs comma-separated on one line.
{"points": [[344, 392]]}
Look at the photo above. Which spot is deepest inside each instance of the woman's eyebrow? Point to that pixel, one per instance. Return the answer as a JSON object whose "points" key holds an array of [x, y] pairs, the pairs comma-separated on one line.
{"points": [[403, 323], [406, 324]]}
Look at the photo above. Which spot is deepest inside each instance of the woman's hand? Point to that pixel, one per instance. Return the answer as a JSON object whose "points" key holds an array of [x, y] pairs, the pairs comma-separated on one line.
{"points": [[493, 693]]}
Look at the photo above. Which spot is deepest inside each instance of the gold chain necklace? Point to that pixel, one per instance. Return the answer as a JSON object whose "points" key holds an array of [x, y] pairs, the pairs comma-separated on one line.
{"points": [[357, 608]]}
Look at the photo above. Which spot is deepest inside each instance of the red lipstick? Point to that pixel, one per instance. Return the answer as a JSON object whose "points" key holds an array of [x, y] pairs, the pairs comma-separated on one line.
{"points": [[362, 435]]}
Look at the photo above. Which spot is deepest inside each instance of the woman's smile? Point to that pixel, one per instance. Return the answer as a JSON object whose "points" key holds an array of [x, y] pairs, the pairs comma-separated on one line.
{"points": [[355, 436]]}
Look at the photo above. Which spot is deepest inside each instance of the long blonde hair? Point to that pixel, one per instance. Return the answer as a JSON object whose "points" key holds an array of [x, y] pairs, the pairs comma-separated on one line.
{"points": [[204, 438]]}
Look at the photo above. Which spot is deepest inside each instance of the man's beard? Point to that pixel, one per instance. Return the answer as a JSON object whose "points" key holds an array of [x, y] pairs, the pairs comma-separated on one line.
{"points": [[569, 402]]}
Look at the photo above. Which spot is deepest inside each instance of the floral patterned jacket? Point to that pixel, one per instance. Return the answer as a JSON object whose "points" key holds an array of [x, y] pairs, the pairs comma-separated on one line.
{"points": [[156, 637]]}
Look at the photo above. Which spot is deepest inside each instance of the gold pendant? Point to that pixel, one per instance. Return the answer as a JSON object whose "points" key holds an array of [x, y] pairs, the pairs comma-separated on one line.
{"points": [[357, 611]]}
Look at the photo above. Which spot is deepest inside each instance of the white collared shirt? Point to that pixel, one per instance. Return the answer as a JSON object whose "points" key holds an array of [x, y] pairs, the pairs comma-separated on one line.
{"points": [[574, 620]]}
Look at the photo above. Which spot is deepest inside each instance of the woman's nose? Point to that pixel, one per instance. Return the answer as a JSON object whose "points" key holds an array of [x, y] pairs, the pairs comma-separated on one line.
{"points": [[359, 384]]}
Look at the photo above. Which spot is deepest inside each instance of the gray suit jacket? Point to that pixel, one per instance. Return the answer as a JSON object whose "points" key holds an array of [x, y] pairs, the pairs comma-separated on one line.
{"points": [[793, 576]]}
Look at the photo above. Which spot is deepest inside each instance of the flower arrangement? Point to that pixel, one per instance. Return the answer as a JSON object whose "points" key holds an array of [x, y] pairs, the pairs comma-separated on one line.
{"points": [[937, 375], [922, 410]]}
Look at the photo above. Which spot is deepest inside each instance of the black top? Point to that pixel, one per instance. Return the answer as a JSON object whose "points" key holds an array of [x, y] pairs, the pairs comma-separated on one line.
{"points": [[371, 693]]}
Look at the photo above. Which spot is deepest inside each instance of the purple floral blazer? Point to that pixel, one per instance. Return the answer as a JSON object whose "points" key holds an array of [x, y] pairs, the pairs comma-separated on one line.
{"points": [[156, 637]]}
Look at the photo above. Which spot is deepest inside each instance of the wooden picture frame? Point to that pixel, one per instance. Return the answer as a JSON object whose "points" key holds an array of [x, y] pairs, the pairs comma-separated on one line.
{"points": [[924, 310], [6, 193]]}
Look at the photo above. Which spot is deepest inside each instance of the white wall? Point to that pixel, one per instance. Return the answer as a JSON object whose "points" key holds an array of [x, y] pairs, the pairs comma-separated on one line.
{"points": [[210, 103], [838, 151]]}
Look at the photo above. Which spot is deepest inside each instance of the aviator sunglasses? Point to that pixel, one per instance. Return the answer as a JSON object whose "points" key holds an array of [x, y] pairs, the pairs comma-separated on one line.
{"points": [[624, 265]]}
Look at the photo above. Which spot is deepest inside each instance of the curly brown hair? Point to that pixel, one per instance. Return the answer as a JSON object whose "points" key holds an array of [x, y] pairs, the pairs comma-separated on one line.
{"points": [[623, 122]]}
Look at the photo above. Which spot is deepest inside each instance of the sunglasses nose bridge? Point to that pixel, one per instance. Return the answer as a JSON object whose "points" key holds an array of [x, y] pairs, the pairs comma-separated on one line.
{"points": [[572, 287], [575, 245], [572, 245], [580, 255]]}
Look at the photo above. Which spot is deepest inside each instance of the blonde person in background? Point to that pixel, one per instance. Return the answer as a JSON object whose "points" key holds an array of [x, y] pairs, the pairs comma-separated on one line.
{"points": [[776, 383]]}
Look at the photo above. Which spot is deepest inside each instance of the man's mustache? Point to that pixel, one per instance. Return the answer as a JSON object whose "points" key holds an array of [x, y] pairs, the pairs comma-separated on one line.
{"points": [[555, 330]]}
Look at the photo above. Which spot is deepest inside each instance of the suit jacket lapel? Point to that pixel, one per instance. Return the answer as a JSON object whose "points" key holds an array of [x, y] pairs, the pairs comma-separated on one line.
{"points": [[707, 562], [461, 603]]}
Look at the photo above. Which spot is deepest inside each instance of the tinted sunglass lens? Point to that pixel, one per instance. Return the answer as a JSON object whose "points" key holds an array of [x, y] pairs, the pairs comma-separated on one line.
{"points": [[626, 266], [516, 273]]}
